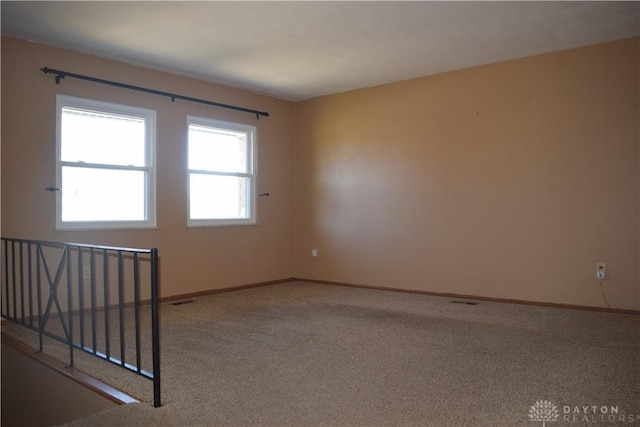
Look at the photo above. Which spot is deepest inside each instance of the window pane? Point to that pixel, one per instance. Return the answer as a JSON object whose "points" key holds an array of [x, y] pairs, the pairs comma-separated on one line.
{"points": [[94, 137], [102, 195], [217, 150], [218, 197]]}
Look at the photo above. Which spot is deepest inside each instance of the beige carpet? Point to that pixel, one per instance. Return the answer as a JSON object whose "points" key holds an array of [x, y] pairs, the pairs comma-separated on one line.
{"points": [[303, 354]]}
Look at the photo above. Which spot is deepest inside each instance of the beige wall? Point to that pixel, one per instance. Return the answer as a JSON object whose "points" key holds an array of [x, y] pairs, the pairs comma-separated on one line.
{"points": [[35, 395], [508, 180], [192, 259]]}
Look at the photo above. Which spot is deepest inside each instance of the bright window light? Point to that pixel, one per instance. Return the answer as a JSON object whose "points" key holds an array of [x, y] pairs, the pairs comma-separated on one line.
{"points": [[221, 172], [105, 165]]}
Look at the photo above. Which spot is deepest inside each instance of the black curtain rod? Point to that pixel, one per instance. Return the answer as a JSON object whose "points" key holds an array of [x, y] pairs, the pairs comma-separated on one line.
{"points": [[62, 74]]}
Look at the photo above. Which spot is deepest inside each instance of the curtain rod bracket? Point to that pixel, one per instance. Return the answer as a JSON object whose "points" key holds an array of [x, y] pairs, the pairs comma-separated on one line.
{"points": [[58, 77], [62, 74]]}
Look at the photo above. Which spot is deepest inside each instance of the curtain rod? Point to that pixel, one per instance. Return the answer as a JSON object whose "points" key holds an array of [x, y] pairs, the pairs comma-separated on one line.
{"points": [[62, 74]]}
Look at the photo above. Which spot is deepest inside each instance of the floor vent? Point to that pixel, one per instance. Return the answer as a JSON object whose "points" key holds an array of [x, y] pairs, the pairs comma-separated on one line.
{"points": [[464, 302], [182, 302]]}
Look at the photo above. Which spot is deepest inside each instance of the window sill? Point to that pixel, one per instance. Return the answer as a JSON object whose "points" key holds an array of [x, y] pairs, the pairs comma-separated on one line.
{"points": [[229, 224], [107, 228]]}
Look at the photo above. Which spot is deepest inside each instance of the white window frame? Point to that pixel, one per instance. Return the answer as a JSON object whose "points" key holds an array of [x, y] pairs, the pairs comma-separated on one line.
{"points": [[149, 116], [252, 173]]}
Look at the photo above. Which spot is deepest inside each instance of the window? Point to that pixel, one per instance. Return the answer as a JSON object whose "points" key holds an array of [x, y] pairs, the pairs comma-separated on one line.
{"points": [[222, 172], [105, 165]]}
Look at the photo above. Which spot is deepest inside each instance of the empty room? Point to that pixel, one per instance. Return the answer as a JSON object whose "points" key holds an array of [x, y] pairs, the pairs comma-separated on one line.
{"points": [[320, 213]]}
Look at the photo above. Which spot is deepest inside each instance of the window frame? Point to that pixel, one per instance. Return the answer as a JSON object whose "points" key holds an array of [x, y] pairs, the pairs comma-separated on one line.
{"points": [[149, 117], [252, 172]]}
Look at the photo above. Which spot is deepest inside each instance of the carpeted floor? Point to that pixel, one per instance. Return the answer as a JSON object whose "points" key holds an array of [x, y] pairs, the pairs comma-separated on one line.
{"points": [[303, 354]]}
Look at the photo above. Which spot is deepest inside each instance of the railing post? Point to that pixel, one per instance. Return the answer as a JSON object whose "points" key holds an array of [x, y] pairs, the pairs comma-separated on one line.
{"points": [[39, 285], [30, 279], [136, 308], [121, 308], [155, 327], [21, 262], [13, 278], [6, 275], [67, 251], [81, 285], [92, 284], [107, 302]]}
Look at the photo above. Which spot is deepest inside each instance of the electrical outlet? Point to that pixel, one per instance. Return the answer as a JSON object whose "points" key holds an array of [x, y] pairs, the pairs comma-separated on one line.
{"points": [[314, 253], [601, 270], [86, 272]]}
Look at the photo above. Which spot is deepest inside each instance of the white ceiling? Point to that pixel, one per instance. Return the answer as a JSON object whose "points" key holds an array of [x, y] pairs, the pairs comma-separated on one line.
{"points": [[302, 49]]}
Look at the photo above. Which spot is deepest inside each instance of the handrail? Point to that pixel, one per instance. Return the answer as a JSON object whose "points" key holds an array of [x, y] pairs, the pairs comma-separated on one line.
{"points": [[35, 275]]}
